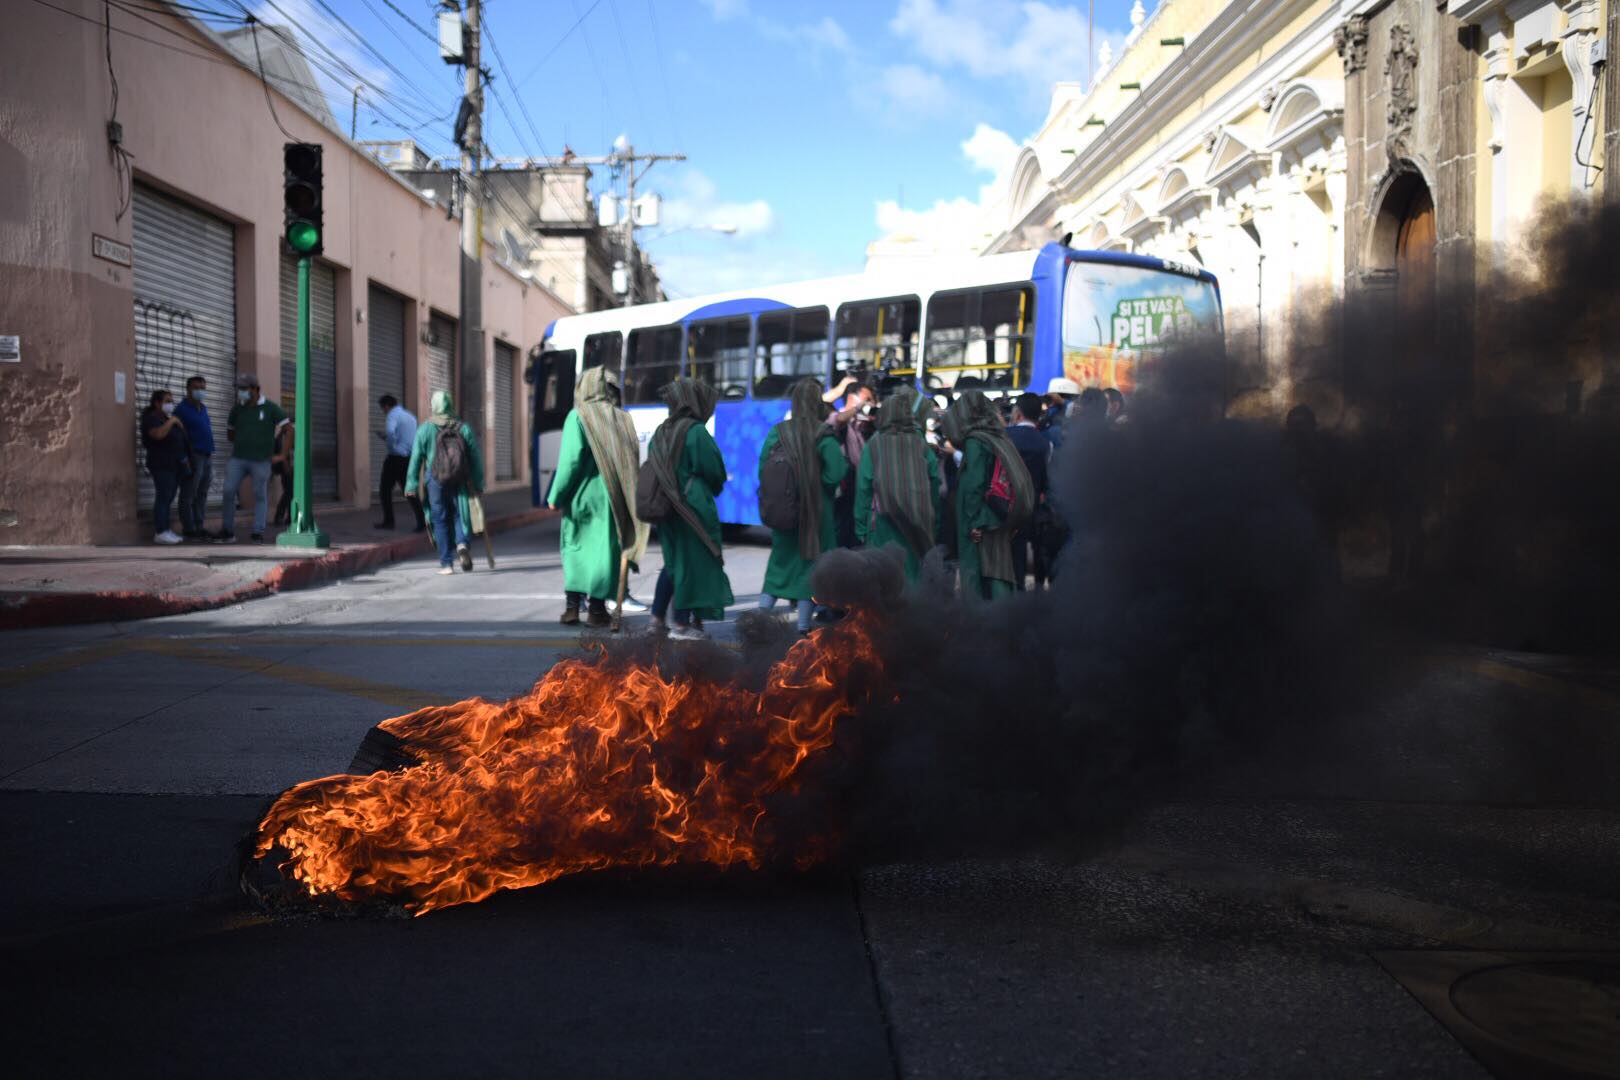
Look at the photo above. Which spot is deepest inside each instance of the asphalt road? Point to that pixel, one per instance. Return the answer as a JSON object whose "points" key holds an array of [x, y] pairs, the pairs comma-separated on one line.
{"points": [[1454, 906]]}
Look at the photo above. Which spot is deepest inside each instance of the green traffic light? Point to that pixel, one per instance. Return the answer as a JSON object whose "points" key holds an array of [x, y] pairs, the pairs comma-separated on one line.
{"points": [[302, 237]]}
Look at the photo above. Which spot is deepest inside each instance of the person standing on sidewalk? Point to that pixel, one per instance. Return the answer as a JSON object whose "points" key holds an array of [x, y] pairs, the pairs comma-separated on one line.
{"points": [[810, 446], [399, 433], [193, 415], [252, 428], [595, 488], [167, 459], [447, 470], [691, 472]]}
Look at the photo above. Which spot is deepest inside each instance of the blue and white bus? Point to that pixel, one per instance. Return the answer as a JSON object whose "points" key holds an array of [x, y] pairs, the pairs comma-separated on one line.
{"points": [[1001, 323]]}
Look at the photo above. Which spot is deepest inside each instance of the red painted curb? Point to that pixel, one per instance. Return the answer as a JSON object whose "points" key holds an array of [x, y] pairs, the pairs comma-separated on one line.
{"points": [[35, 610]]}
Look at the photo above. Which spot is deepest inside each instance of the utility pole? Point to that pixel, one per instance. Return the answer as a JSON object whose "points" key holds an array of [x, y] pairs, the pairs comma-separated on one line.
{"points": [[470, 386], [354, 113], [626, 158]]}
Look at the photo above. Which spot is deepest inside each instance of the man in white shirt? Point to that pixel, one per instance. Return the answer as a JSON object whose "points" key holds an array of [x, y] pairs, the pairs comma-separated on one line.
{"points": [[399, 432]]}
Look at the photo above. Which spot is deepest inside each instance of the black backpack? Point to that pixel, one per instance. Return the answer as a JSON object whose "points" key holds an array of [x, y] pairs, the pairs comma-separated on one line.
{"points": [[779, 490], [452, 462], [652, 501]]}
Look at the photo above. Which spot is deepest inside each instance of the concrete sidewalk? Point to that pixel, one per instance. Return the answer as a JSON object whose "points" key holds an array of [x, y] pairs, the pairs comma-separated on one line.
{"points": [[54, 586]]}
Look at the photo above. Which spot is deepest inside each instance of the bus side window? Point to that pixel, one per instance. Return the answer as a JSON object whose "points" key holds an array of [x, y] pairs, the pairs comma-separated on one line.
{"points": [[792, 346], [878, 336], [980, 337], [554, 389], [603, 350], [653, 362], [717, 353]]}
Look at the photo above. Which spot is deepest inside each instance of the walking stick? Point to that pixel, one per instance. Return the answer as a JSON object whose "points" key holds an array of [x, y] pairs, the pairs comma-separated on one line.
{"points": [[624, 585]]}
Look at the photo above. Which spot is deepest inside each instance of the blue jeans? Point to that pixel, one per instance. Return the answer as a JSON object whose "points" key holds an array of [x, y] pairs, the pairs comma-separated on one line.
{"points": [[194, 493], [235, 471], [442, 506], [663, 593], [165, 483], [767, 601]]}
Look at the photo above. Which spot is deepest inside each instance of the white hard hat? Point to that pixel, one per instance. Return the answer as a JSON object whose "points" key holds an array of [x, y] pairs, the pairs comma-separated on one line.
{"points": [[1061, 385]]}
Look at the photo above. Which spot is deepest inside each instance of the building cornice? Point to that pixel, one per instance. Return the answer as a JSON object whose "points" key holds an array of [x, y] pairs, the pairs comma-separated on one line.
{"points": [[1203, 62]]}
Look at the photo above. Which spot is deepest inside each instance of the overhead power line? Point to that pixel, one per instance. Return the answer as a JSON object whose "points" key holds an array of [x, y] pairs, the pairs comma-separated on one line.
{"points": [[541, 63]]}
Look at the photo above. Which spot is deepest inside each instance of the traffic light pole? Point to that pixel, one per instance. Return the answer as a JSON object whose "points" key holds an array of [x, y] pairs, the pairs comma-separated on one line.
{"points": [[303, 533]]}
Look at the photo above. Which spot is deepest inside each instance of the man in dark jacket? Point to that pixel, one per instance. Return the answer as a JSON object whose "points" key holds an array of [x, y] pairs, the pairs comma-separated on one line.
{"points": [[1033, 447], [193, 415]]}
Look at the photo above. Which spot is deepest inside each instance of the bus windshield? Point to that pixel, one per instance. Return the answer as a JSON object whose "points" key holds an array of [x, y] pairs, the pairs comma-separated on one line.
{"points": [[1116, 318]]}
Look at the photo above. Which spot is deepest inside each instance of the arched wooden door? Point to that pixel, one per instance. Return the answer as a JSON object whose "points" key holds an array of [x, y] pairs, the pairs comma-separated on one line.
{"points": [[1415, 276]]}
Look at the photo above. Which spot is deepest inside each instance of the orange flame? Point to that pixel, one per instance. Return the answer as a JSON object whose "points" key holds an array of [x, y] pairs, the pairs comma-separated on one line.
{"points": [[605, 763]]}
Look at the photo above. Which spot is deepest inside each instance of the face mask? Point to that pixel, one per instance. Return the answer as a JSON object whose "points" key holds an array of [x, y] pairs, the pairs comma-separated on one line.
{"points": [[243, 396], [168, 407], [198, 394]]}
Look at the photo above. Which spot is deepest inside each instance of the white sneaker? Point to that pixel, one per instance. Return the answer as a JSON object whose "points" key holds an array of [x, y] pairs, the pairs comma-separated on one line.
{"points": [[632, 606], [687, 633], [447, 569], [167, 536]]}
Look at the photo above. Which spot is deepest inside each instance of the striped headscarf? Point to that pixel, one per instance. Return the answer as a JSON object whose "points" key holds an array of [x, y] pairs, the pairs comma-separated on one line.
{"points": [[611, 435], [971, 416], [690, 402], [900, 478], [798, 435]]}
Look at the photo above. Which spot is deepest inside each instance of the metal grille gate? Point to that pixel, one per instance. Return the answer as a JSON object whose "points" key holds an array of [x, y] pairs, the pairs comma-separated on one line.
{"points": [[185, 317], [385, 365], [323, 411], [441, 351], [505, 369]]}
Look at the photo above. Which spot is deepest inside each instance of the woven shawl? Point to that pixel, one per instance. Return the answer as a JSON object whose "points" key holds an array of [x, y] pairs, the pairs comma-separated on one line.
{"points": [[900, 476], [611, 435], [971, 416], [690, 402], [798, 435]]}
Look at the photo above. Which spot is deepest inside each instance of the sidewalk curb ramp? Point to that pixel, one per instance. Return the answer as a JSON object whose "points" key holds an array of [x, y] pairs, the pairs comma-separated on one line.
{"points": [[36, 610]]}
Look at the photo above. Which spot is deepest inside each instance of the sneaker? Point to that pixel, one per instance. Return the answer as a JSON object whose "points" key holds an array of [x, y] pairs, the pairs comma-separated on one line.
{"points": [[256, 538], [447, 569], [224, 538], [466, 558], [167, 536], [687, 633], [632, 606]]}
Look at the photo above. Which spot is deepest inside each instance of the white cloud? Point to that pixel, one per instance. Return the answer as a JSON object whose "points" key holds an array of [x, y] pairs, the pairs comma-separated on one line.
{"points": [[697, 202], [1024, 40], [825, 33], [910, 89], [960, 223]]}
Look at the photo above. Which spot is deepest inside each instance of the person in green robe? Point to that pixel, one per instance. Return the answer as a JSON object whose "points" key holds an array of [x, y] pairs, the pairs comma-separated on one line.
{"points": [[820, 466], [595, 488], [984, 537], [450, 507], [687, 462], [897, 490]]}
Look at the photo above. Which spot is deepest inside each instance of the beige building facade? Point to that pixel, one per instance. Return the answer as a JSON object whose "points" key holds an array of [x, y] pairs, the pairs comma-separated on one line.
{"points": [[1305, 150], [129, 267]]}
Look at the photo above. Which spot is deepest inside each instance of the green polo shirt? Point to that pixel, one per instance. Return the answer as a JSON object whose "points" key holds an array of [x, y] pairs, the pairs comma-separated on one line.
{"points": [[253, 428]]}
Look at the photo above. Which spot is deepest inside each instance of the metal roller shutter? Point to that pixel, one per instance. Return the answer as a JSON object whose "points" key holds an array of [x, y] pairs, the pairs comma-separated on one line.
{"points": [[441, 351], [185, 317], [385, 365], [505, 369], [323, 411]]}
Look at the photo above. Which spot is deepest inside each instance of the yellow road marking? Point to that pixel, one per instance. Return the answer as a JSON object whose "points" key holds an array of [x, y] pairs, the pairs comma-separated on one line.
{"points": [[1552, 685], [396, 697], [62, 662]]}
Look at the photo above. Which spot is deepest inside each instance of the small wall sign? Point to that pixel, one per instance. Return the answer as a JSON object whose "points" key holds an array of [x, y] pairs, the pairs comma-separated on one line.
{"points": [[103, 247], [10, 348]]}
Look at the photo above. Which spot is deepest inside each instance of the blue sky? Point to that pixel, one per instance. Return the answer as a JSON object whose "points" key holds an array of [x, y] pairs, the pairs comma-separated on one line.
{"points": [[809, 126]]}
